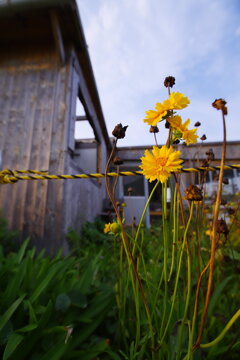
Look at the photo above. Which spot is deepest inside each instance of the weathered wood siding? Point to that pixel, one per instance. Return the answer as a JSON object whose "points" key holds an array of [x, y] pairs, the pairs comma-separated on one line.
{"points": [[32, 128]]}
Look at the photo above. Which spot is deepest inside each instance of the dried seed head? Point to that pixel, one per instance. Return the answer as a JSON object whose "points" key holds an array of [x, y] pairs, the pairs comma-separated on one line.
{"points": [[221, 227], [169, 81], [203, 137], [154, 129], [197, 124], [220, 104], [117, 160], [193, 193], [175, 142], [130, 190], [210, 155], [119, 131]]}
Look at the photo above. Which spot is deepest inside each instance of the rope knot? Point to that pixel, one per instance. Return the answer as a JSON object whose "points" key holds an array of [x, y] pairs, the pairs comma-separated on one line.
{"points": [[5, 177]]}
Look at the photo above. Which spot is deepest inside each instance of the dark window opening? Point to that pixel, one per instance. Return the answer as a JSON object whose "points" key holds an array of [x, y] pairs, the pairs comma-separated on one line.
{"points": [[156, 201], [136, 183]]}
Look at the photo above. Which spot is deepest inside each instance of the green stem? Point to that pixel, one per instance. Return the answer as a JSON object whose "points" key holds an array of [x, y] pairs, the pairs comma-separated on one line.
{"points": [[178, 274], [222, 334], [175, 230], [165, 254], [188, 295], [143, 214]]}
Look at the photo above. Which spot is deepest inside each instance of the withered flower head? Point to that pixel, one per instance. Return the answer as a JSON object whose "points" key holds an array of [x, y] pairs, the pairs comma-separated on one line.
{"points": [[117, 160], [210, 155], [204, 163], [176, 142], [203, 137], [193, 193], [225, 181], [154, 129], [169, 81], [220, 104], [221, 227], [197, 124], [119, 131], [167, 125]]}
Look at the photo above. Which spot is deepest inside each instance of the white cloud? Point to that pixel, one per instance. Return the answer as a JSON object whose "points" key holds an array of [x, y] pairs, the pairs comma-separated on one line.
{"points": [[134, 44]]}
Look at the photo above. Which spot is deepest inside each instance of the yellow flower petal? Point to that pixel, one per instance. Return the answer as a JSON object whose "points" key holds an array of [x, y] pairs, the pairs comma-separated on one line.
{"points": [[190, 137], [107, 228], [178, 101], [176, 122], [153, 117]]}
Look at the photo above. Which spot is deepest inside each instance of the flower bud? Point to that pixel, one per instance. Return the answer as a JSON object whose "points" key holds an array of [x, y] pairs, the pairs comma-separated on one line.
{"points": [[119, 131], [115, 228], [154, 129], [197, 124], [177, 141], [203, 137]]}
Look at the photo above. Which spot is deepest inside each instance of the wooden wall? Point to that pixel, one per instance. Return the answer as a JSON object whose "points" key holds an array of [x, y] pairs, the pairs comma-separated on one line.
{"points": [[33, 125]]}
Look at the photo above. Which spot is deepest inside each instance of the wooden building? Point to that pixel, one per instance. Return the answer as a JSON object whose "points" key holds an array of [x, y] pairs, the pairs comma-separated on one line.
{"points": [[44, 71]]}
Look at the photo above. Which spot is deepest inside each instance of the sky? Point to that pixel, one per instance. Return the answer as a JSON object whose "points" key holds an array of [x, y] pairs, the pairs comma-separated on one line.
{"points": [[135, 44]]}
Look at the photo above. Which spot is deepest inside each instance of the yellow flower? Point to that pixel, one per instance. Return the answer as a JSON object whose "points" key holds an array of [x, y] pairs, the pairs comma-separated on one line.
{"points": [[107, 228], [115, 228], [176, 123], [178, 101], [190, 136], [159, 164], [208, 232], [153, 117]]}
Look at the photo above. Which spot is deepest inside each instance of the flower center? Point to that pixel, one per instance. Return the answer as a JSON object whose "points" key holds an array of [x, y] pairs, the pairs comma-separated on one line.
{"points": [[161, 161]]}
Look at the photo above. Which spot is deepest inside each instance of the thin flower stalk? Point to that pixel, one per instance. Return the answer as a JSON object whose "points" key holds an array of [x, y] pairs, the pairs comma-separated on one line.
{"points": [[214, 234], [177, 274], [165, 255], [175, 229], [223, 333]]}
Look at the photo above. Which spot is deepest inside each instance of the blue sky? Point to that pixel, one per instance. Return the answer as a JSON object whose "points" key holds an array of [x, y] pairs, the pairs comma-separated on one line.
{"points": [[135, 44]]}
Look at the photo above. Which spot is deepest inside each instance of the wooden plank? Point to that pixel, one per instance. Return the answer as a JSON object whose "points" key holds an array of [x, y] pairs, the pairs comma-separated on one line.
{"points": [[72, 109], [40, 149], [58, 36], [54, 218]]}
